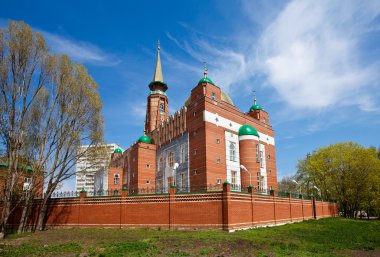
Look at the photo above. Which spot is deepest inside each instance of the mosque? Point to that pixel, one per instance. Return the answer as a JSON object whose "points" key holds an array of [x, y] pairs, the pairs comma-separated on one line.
{"points": [[202, 145]]}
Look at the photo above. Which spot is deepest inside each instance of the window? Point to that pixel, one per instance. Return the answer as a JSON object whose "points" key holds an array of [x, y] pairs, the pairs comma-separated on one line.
{"points": [[218, 161], [26, 180], [232, 151], [183, 153], [171, 159], [116, 179], [195, 113], [257, 153], [261, 159], [233, 178], [162, 107], [268, 156], [195, 151], [218, 141], [161, 164], [195, 133], [195, 172], [258, 179], [270, 172], [148, 166], [264, 120], [183, 181], [218, 181], [213, 96], [147, 182]]}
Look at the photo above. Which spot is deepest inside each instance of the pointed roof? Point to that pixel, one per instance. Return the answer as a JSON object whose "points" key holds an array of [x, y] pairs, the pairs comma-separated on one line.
{"points": [[255, 106], [158, 72], [158, 78], [205, 78]]}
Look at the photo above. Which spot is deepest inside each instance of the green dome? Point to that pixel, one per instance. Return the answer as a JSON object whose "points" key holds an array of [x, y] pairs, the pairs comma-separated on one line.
{"points": [[118, 150], [145, 139], [248, 130], [206, 79], [256, 107]]}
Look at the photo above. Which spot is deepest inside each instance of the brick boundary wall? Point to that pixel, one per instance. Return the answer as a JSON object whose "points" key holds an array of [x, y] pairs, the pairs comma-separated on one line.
{"points": [[225, 210]]}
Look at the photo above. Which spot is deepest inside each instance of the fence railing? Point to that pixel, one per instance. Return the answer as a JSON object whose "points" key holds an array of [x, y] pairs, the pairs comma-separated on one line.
{"points": [[184, 190]]}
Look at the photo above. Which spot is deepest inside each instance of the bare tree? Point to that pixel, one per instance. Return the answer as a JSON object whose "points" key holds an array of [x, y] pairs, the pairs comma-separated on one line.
{"points": [[47, 121], [21, 54]]}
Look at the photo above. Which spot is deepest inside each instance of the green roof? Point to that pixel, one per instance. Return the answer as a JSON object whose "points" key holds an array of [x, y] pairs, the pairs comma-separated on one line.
{"points": [[206, 79], [248, 130], [118, 150], [145, 139], [256, 107]]}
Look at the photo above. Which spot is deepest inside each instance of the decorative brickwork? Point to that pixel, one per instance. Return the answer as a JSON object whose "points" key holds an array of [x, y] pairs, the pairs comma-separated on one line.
{"points": [[214, 210]]}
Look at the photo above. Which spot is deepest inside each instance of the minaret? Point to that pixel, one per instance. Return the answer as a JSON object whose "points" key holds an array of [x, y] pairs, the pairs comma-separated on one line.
{"points": [[257, 112], [157, 109]]}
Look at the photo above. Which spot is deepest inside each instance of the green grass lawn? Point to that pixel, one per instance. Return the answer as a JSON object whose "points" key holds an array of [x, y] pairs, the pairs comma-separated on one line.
{"points": [[327, 237]]}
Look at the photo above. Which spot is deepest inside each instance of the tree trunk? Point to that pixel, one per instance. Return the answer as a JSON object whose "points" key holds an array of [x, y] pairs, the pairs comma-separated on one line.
{"points": [[42, 215], [7, 204], [25, 211]]}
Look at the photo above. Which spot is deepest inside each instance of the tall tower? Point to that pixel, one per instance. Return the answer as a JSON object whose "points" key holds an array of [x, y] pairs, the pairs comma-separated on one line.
{"points": [[157, 109]]}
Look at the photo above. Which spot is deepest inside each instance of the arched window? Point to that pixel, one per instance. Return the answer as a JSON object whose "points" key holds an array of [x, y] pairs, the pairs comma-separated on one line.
{"points": [[116, 178], [232, 152]]}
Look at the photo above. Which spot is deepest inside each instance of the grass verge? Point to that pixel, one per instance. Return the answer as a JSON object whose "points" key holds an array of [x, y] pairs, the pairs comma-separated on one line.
{"points": [[325, 237]]}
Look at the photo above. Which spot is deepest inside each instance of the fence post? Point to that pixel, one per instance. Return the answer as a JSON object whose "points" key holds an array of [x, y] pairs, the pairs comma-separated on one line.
{"points": [[82, 195], [272, 193], [303, 215], [124, 192], [314, 207], [250, 190], [172, 191], [290, 206], [226, 207]]}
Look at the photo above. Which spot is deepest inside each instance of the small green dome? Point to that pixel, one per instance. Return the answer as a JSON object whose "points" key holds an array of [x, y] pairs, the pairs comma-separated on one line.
{"points": [[256, 107], [206, 79], [145, 139], [118, 150], [248, 130]]}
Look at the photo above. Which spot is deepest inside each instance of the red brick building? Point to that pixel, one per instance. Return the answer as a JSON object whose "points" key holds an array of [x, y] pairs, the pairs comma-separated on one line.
{"points": [[208, 141]]}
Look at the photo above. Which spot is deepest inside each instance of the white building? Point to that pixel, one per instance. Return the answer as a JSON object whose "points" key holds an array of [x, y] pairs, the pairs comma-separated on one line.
{"points": [[87, 170]]}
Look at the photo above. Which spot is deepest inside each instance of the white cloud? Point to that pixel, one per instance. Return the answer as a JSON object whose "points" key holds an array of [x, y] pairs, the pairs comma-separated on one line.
{"points": [[79, 51], [311, 54]]}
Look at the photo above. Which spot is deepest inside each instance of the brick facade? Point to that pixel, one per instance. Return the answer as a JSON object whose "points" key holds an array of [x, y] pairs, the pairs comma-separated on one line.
{"points": [[217, 210]]}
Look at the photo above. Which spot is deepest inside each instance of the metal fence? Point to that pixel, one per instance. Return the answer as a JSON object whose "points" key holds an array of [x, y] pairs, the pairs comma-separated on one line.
{"points": [[183, 190]]}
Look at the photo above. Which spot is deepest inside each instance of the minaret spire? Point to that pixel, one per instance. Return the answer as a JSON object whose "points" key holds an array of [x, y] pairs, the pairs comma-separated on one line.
{"points": [[205, 70], [254, 97], [158, 72]]}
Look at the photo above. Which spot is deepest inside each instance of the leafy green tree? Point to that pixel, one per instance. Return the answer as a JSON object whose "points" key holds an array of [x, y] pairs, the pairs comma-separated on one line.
{"points": [[347, 172]]}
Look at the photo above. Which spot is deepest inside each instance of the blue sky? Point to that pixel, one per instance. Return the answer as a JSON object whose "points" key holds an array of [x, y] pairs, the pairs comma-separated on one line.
{"points": [[314, 64]]}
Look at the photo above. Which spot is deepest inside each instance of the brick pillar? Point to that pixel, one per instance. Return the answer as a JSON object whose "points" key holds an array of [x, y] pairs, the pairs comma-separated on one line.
{"points": [[82, 195], [226, 206], [303, 215], [124, 192], [172, 192], [290, 206], [251, 191]]}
